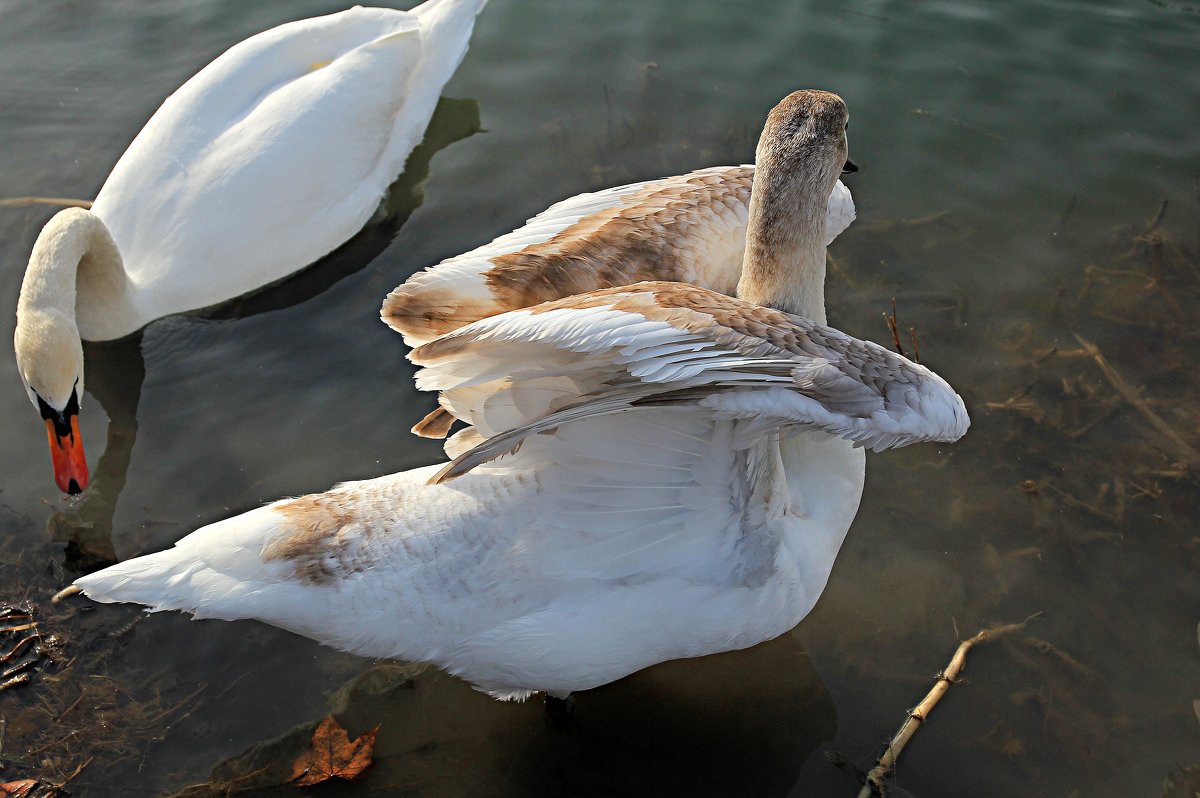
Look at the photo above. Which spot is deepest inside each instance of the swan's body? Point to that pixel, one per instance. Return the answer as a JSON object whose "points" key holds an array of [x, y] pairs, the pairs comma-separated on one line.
{"points": [[268, 158], [517, 580], [653, 472]]}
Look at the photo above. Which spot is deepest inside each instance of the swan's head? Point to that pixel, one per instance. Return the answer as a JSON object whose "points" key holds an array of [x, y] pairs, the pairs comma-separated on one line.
{"points": [[804, 140], [50, 361]]}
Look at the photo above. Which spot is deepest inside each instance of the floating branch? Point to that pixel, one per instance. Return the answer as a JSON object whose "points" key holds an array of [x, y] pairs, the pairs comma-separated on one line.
{"points": [[917, 716]]}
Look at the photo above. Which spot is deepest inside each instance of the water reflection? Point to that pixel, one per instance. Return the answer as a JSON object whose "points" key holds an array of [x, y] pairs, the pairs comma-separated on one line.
{"points": [[115, 372], [116, 369]]}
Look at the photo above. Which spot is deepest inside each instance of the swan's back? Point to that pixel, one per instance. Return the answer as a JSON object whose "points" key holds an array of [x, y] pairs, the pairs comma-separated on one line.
{"points": [[278, 151]]}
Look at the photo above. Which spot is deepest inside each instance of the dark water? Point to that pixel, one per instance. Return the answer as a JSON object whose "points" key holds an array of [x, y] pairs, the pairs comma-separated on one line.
{"points": [[1049, 132]]}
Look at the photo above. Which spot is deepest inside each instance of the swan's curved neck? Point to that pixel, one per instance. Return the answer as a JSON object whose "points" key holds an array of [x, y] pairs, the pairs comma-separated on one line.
{"points": [[784, 264], [75, 271]]}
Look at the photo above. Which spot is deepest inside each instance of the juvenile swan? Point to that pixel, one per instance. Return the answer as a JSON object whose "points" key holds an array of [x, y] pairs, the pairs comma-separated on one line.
{"points": [[268, 158], [655, 471], [687, 228]]}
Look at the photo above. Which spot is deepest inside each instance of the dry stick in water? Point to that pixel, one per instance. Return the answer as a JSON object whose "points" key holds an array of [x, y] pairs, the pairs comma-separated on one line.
{"points": [[1189, 455], [917, 716], [21, 202], [880, 227], [895, 329]]}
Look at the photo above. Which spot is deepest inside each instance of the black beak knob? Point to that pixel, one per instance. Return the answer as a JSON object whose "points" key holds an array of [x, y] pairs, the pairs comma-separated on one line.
{"points": [[849, 167]]}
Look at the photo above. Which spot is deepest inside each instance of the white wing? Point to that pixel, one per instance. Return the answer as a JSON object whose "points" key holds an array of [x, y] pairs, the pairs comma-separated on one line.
{"points": [[668, 344], [688, 228]]}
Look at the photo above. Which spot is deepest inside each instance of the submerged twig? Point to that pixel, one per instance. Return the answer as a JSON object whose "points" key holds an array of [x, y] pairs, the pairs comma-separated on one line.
{"points": [[891, 224], [917, 716], [1153, 224], [78, 769], [1065, 216], [65, 202], [19, 648], [1131, 395], [1020, 404], [14, 681]]}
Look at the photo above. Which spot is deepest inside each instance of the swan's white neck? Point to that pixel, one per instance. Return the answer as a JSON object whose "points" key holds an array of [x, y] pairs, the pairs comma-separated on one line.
{"points": [[75, 273], [784, 265]]}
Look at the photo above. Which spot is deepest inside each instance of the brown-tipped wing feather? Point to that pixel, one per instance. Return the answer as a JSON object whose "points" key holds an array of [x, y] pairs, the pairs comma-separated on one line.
{"points": [[670, 344]]}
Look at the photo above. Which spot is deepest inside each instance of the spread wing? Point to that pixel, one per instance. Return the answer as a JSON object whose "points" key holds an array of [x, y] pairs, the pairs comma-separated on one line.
{"points": [[689, 228], [679, 346]]}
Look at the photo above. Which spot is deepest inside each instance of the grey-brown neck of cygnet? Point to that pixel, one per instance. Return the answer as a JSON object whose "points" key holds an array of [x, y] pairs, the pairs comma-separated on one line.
{"points": [[784, 265]]}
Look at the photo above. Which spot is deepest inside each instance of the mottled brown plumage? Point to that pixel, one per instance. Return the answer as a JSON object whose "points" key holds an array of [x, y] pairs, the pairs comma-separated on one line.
{"points": [[620, 246], [312, 538], [689, 228]]}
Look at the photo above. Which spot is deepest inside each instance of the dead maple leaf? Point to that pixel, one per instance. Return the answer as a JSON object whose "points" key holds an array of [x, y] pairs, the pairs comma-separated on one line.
{"points": [[17, 789], [333, 754]]}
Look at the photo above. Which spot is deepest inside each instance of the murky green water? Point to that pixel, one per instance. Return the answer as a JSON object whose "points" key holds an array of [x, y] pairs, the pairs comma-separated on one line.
{"points": [[1040, 127]]}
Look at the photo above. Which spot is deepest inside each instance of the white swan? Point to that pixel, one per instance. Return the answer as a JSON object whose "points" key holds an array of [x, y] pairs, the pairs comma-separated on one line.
{"points": [[667, 508], [268, 158]]}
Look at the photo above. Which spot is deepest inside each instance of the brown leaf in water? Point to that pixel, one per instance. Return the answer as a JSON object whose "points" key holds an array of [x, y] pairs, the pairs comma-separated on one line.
{"points": [[333, 754], [17, 789]]}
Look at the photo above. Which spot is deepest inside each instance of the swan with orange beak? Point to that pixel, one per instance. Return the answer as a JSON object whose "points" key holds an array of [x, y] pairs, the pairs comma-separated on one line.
{"points": [[50, 361], [265, 160]]}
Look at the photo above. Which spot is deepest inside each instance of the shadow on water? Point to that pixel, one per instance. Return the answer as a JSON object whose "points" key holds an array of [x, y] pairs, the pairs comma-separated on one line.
{"points": [[689, 727], [116, 369]]}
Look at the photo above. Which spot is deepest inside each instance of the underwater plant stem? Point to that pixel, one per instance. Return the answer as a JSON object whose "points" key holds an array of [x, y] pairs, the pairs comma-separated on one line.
{"points": [[1189, 455]]}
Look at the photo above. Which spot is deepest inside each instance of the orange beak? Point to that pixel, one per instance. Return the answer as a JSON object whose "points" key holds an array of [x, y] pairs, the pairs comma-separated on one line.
{"points": [[70, 466]]}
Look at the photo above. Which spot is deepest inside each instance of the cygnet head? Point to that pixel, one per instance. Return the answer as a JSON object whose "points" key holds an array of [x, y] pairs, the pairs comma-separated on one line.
{"points": [[800, 154], [803, 143], [50, 361]]}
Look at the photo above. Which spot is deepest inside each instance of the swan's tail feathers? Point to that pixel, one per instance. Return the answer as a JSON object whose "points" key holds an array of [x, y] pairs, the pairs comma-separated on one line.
{"points": [[211, 573], [446, 27], [174, 579], [456, 13]]}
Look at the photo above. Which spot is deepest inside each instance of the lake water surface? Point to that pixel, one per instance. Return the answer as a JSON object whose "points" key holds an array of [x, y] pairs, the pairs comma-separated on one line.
{"points": [[1013, 157]]}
